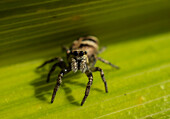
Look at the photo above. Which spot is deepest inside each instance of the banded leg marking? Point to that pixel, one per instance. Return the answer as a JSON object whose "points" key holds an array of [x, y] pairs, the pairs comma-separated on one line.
{"points": [[90, 76], [102, 76], [107, 62], [59, 80], [50, 61]]}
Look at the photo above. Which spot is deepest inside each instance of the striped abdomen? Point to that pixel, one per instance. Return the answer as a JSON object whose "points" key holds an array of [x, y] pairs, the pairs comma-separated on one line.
{"points": [[88, 44]]}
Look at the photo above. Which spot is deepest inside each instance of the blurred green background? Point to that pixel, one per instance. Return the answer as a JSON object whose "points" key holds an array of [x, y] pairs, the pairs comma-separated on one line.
{"points": [[135, 32]]}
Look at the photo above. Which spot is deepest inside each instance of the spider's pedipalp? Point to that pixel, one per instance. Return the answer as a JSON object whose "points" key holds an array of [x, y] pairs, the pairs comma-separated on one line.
{"points": [[83, 66], [74, 65]]}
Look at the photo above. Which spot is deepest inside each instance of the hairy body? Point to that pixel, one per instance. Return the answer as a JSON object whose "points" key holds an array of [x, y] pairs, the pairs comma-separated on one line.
{"points": [[82, 55]]}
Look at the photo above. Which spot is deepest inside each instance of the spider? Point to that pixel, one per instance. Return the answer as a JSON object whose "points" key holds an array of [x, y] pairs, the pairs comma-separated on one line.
{"points": [[82, 55]]}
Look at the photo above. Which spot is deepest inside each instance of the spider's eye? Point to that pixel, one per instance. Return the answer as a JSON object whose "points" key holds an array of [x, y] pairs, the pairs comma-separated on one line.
{"points": [[85, 52], [81, 53], [75, 53]]}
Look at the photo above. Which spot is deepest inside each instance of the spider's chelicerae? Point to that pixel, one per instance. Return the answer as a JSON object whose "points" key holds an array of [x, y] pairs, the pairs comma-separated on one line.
{"points": [[82, 56]]}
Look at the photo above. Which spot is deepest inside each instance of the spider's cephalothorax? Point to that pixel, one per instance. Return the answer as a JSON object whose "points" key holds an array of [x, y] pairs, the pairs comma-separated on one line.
{"points": [[82, 55]]}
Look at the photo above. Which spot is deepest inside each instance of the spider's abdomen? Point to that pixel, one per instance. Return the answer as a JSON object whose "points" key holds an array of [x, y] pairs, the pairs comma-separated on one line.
{"points": [[88, 44]]}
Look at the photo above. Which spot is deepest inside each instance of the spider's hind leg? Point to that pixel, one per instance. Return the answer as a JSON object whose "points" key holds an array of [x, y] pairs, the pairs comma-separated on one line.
{"points": [[107, 62], [102, 50]]}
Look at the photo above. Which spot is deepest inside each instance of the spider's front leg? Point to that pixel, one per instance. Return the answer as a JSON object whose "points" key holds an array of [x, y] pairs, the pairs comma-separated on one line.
{"points": [[59, 80], [90, 76], [60, 64]]}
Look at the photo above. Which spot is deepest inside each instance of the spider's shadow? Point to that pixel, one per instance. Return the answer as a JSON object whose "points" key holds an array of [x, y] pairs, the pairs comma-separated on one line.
{"points": [[44, 89]]}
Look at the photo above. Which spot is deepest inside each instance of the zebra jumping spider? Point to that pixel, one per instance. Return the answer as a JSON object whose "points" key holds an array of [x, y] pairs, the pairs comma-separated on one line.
{"points": [[82, 55]]}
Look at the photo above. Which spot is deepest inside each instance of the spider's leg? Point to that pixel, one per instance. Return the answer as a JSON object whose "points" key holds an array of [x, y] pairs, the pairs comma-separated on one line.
{"points": [[102, 50], [59, 80], [49, 61], [61, 64], [102, 76], [64, 48], [90, 76], [107, 62]]}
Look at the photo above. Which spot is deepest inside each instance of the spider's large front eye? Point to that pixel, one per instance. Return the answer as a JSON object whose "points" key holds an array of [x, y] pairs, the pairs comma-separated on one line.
{"points": [[81, 53], [75, 53]]}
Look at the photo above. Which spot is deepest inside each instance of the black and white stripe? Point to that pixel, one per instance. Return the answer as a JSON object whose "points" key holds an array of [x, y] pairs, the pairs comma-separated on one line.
{"points": [[85, 43]]}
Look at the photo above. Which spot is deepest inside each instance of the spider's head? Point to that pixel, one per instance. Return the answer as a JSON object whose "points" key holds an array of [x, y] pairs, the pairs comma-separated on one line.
{"points": [[78, 60]]}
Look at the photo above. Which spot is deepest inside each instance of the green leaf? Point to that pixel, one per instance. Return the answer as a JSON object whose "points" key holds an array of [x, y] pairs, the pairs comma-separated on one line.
{"points": [[137, 37]]}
